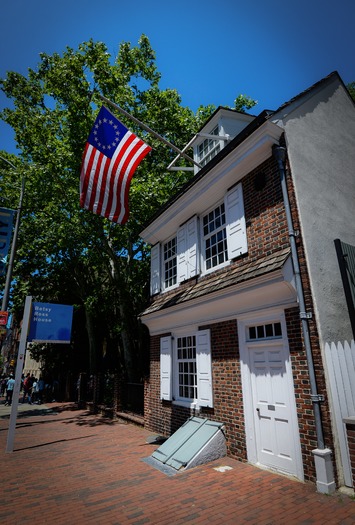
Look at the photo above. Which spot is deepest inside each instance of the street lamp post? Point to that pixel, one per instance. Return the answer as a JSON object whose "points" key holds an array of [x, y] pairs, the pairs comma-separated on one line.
{"points": [[5, 299]]}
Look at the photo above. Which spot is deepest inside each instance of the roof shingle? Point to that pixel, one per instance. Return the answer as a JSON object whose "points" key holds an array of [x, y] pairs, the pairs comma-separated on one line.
{"points": [[219, 281]]}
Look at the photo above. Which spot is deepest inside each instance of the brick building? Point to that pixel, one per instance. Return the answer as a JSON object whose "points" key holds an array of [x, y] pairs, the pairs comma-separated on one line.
{"points": [[245, 285]]}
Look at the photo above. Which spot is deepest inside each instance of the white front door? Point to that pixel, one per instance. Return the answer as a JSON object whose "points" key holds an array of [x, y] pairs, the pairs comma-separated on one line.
{"points": [[270, 409]]}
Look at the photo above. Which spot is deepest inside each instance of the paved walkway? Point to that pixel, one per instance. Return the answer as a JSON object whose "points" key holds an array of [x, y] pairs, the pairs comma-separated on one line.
{"points": [[70, 467]]}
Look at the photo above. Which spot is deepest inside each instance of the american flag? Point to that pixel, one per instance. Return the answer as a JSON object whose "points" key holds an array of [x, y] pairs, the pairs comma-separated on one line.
{"points": [[111, 156]]}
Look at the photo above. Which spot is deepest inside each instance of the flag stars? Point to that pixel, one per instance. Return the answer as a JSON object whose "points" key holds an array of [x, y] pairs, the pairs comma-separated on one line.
{"points": [[106, 134], [108, 138], [100, 125]]}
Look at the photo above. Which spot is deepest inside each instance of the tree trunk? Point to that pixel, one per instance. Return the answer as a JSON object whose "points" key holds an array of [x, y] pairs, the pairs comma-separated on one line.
{"points": [[92, 342]]}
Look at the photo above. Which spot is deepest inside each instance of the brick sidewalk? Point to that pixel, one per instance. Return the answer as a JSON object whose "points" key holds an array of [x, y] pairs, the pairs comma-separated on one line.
{"points": [[70, 467]]}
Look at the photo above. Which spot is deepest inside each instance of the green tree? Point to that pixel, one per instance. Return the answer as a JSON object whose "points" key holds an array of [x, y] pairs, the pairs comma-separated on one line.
{"points": [[67, 254], [351, 89], [243, 102]]}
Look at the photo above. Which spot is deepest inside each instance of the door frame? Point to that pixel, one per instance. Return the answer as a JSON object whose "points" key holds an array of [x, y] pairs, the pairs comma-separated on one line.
{"points": [[262, 317]]}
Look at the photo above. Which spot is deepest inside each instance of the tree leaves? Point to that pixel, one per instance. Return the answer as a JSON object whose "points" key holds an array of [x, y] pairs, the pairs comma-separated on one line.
{"points": [[67, 254]]}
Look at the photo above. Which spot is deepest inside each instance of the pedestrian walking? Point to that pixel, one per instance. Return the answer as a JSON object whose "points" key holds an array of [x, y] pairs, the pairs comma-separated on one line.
{"points": [[27, 388], [9, 390], [3, 384], [35, 391], [40, 390]]}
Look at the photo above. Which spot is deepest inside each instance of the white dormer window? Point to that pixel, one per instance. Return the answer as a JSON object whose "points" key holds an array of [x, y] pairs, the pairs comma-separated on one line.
{"points": [[208, 148]]}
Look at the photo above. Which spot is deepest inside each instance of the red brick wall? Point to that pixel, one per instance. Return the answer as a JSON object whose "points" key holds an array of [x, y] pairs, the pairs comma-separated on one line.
{"points": [[302, 389], [164, 417], [227, 385], [265, 216]]}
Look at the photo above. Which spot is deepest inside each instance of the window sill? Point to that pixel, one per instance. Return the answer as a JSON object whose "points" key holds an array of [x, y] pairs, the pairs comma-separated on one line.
{"points": [[215, 268], [186, 404]]}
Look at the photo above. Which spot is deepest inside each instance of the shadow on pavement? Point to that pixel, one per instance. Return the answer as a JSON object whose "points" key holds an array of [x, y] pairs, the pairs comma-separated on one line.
{"points": [[31, 413], [81, 418], [53, 442]]}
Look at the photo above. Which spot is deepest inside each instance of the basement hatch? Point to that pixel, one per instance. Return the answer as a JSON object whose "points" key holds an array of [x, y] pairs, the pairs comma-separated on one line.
{"points": [[196, 442]]}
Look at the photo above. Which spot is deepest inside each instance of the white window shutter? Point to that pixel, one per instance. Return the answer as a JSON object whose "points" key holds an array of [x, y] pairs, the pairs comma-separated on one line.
{"points": [[181, 253], [235, 222], [165, 368], [204, 369], [187, 253], [192, 256], [155, 269]]}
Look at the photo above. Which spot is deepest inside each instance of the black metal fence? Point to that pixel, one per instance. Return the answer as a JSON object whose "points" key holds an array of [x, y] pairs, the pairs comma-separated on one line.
{"points": [[106, 390], [133, 397], [346, 260]]}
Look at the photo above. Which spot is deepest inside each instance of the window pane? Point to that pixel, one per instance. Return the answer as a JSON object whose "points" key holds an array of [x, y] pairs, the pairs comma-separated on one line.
{"points": [[268, 330], [187, 377], [208, 148], [170, 263], [277, 328], [260, 331], [215, 238]]}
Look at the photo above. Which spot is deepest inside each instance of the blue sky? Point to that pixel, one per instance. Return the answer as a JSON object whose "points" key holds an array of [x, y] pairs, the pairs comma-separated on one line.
{"points": [[209, 51]]}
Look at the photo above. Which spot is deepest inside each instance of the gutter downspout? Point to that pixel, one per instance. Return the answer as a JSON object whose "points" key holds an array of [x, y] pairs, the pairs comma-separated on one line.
{"points": [[327, 483]]}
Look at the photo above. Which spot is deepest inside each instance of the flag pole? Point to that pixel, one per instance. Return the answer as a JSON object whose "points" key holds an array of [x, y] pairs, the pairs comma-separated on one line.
{"points": [[182, 153]]}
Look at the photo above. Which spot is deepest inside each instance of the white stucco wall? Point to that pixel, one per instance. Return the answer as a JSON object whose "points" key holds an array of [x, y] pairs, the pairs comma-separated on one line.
{"points": [[320, 138]]}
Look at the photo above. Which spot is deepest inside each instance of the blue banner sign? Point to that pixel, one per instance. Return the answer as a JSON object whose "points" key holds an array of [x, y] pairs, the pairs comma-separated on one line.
{"points": [[6, 222], [50, 323]]}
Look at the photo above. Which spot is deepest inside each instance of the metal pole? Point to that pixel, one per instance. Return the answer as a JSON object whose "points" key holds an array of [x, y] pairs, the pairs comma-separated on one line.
{"points": [[5, 299], [144, 126], [279, 154], [19, 368]]}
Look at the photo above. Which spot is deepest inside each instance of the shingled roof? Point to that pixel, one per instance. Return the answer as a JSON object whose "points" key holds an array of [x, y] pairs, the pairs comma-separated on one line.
{"points": [[219, 281]]}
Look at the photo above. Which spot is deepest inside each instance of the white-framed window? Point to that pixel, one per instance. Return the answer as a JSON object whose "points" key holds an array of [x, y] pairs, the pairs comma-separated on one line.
{"points": [[176, 259], [270, 330], [155, 284], [186, 369], [207, 243], [170, 263], [224, 231], [208, 148], [215, 237]]}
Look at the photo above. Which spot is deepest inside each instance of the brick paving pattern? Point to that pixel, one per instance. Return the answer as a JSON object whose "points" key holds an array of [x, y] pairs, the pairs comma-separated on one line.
{"points": [[71, 467]]}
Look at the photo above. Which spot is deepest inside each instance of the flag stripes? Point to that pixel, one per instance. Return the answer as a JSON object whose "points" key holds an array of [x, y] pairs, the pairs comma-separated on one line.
{"points": [[111, 156]]}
